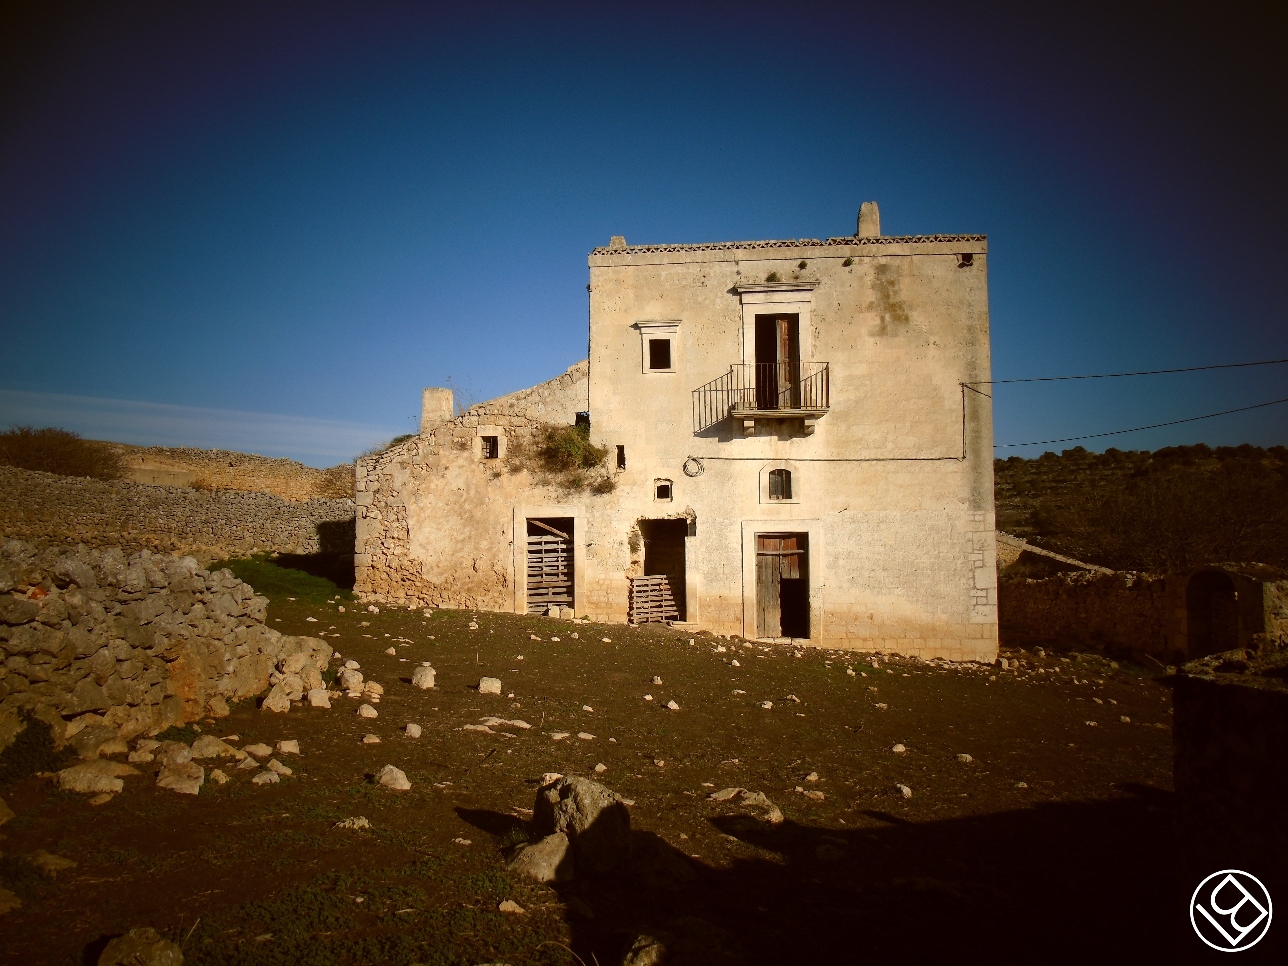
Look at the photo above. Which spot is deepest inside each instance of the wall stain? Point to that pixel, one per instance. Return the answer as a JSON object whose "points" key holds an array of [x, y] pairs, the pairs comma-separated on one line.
{"points": [[888, 304]]}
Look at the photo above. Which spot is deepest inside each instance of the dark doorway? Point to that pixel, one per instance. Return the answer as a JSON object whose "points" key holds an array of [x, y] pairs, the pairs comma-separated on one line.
{"points": [[778, 357], [550, 573], [1211, 614], [664, 555], [782, 585]]}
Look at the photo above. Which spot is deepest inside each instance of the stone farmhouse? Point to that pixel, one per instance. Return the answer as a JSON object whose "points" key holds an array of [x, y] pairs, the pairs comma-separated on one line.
{"points": [[794, 447]]}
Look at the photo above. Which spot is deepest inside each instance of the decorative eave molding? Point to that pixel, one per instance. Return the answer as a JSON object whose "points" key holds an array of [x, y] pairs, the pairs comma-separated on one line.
{"points": [[845, 240]]}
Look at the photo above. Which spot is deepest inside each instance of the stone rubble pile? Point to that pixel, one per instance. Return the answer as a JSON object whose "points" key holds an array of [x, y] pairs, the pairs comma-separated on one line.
{"points": [[103, 647]]}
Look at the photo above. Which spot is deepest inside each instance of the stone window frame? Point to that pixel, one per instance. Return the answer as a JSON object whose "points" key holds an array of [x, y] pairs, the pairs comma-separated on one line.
{"points": [[791, 468], [482, 431], [670, 484], [668, 329]]}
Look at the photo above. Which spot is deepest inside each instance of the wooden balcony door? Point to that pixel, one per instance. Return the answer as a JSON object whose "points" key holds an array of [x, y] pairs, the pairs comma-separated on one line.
{"points": [[778, 356]]}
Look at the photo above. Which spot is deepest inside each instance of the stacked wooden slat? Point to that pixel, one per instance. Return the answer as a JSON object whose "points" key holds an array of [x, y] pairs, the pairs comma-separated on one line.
{"points": [[549, 572], [651, 600]]}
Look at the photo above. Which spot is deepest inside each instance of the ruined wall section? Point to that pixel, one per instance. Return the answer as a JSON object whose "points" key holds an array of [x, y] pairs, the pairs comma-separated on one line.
{"points": [[127, 645], [435, 519], [216, 469], [210, 526]]}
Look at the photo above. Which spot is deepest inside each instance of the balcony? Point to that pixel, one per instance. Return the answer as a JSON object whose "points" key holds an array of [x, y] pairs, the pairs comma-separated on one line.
{"points": [[763, 390]]}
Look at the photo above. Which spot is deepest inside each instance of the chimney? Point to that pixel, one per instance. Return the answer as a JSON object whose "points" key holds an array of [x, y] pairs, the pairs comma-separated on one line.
{"points": [[617, 242], [869, 220], [435, 408]]}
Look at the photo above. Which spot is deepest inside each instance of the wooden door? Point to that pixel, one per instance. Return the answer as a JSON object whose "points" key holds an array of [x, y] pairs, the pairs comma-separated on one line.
{"points": [[781, 557]]}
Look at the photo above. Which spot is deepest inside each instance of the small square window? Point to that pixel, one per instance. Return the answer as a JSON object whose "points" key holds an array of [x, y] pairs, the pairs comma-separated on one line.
{"points": [[662, 490], [491, 447], [659, 353], [780, 484]]}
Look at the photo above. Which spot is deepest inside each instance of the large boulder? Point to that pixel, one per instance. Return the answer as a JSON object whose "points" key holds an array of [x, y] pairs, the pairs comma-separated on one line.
{"points": [[594, 818], [547, 860], [141, 947]]}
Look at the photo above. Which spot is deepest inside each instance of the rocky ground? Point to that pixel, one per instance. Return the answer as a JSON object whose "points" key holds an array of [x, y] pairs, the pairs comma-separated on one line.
{"points": [[1017, 812]]}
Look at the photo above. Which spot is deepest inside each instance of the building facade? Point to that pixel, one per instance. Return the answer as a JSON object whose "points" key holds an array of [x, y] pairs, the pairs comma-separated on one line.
{"points": [[799, 446]]}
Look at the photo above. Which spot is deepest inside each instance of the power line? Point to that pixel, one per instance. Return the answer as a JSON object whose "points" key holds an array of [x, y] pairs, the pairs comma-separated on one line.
{"points": [[1119, 432], [1120, 375]]}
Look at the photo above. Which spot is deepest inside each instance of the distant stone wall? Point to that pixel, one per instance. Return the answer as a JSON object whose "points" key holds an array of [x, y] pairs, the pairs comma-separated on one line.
{"points": [[208, 525], [1117, 611], [97, 644], [215, 469]]}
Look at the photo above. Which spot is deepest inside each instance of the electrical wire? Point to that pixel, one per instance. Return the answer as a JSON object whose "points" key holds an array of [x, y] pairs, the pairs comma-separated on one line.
{"points": [[1120, 375], [1137, 429]]}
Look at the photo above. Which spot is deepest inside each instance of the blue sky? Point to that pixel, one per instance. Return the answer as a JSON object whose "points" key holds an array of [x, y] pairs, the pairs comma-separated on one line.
{"points": [[268, 226]]}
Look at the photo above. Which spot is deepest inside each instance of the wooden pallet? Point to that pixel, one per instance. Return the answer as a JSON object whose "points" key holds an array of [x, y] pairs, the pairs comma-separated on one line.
{"points": [[651, 600]]}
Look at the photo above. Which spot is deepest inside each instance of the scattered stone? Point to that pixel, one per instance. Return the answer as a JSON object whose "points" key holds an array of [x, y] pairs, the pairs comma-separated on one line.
{"points": [[367, 711], [357, 822], [278, 699], [394, 778], [850, 671], [186, 777], [478, 727], [767, 705], [1124, 719], [248, 763], [289, 747], [374, 688], [371, 739], [412, 730], [373, 609], [606, 640], [276, 766], [593, 817], [1091, 724], [350, 679], [141, 947], [101, 799], [904, 790], [91, 778], [460, 841], [882, 706], [423, 677], [673, 706], [899, 749], [391, 650], [648, 697], [319, 698], [137, 757], [208, 746], [1021, 784], [812, 777], [351, 665], [561, 735], [172, 753], [509, 905], [50, 864], [813, 794], [549, 859], [965, 759], [218, 777], [266, 778], [656, 679], [259, 750], [584, 736], [600, 768], [489, 685]]}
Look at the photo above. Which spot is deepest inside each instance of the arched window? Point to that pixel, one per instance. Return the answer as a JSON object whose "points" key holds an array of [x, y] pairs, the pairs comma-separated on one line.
{"points": [[780, 484]]}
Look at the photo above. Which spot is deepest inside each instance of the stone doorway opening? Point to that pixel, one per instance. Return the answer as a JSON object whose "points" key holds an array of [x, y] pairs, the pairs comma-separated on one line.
{"points": [[1211, 614], [782, 585], [550, 564], [664, 556]]}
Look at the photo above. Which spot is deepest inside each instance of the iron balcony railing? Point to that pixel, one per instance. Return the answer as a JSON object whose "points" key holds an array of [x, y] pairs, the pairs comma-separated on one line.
{"points": [[762, 388]]}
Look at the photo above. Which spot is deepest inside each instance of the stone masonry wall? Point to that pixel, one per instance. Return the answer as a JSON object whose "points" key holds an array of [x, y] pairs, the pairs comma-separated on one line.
{"points": [[1123, 610], [101, 645], [432, 481], [207, 525]]}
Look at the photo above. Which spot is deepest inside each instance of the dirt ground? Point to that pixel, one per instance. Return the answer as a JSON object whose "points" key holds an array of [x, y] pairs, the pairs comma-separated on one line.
{"points": [[1053, 844]]}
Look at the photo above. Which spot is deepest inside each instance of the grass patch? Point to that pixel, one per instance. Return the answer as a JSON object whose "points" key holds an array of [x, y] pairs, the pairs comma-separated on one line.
{"points": [[278, 583], [185, 733]]}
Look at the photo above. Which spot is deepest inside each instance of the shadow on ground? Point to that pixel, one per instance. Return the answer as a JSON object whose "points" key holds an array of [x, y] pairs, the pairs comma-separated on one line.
{"points": [[1059, 882]]}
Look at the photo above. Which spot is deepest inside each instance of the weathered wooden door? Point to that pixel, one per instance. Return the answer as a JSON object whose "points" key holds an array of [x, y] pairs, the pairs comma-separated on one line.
{"points": [[778, 357], [782, 589], [550, 571]]}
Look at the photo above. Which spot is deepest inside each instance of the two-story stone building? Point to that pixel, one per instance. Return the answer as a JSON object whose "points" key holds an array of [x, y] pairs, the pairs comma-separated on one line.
{"points": [[795, 450]]}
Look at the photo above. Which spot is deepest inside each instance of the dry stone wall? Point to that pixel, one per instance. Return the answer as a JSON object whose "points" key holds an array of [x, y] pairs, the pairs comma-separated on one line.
{"points": [[208, 525], [129, 645], [1116, 611], [224, 470]]}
